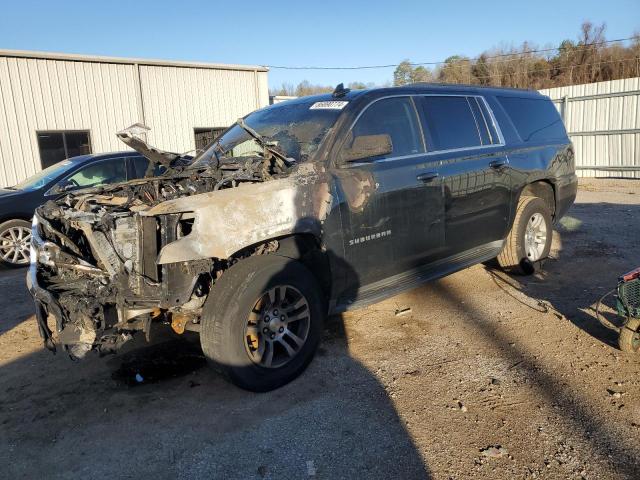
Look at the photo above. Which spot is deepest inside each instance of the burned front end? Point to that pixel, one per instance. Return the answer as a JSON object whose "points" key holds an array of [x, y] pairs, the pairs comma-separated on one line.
{"points": [[108, 262], [94, 265], [111, 261]]}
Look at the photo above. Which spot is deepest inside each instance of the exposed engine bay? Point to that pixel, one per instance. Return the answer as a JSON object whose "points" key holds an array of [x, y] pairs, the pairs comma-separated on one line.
{"points": [[109, 261]]}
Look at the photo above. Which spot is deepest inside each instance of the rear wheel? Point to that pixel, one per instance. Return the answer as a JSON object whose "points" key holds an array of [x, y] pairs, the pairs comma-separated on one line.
{"points": [[263, 321], [629, 339], [15, 241], [529, 240]]}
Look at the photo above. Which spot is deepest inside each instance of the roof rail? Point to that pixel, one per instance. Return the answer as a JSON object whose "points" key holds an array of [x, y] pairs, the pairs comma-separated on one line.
{"points": [[466, 85]]}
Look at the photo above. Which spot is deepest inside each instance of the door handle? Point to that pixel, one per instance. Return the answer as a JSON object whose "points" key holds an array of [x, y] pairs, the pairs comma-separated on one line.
{"points": [[499, 164], [427, 176]]}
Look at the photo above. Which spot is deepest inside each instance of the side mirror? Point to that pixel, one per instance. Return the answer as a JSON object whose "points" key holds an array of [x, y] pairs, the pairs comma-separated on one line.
{"points": [[366, 146]]}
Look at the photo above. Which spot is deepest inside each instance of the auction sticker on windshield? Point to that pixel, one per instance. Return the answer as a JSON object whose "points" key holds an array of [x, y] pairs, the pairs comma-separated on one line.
{"points": [[331, 105]]}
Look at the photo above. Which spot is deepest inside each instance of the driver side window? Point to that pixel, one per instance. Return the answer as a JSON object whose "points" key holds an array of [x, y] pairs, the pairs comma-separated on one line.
{"points": [[100, 173], [391, 121]]}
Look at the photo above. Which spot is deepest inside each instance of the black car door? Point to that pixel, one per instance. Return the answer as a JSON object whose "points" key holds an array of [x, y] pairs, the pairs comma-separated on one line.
{"points": [[389, 194], [462, 134]]}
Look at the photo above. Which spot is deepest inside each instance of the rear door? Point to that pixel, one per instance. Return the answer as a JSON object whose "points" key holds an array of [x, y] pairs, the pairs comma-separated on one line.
{"points": [[462, 135], [391, 203]]}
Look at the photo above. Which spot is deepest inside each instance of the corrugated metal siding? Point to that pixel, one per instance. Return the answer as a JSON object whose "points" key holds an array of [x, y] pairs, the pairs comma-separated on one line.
{"points": [[597, 124], [39, 94], [176, 100]]}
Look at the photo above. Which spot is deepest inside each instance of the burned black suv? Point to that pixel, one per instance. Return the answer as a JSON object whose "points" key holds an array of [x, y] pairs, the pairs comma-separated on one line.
{"points": [[299, 210]]}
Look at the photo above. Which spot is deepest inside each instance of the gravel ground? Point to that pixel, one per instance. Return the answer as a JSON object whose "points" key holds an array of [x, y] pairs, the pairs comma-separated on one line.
{"points": [[487, 376]]}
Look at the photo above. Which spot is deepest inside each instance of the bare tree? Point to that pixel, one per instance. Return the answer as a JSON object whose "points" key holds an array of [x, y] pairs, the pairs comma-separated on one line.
{"points": [[587, 59]]}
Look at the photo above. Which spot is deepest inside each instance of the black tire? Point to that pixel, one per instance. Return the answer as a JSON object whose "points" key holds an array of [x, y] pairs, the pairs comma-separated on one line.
{"points": [[224, 337], [629, 339], [514, 257], [23, 254]]}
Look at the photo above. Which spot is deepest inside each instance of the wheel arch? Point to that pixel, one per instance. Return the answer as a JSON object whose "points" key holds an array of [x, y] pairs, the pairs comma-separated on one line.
{"points": [[14, 216], [543, 189], [305, 248]]}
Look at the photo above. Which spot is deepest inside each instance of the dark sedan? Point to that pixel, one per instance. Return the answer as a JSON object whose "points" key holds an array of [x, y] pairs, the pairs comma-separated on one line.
{"points": [[18, 202]]}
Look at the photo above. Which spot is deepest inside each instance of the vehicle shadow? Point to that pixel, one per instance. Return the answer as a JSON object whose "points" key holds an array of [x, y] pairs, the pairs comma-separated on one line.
{"points": [[589, 233], [13, 292], [179, 419], [583, 420]]}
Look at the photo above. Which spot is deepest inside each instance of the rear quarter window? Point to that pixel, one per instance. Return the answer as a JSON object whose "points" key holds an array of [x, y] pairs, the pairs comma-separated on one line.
{"points": [[534, 119]]}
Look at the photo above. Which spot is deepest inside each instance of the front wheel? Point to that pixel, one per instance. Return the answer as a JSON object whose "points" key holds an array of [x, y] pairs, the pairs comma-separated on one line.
{"points": [[529, 240], [263, 321]]}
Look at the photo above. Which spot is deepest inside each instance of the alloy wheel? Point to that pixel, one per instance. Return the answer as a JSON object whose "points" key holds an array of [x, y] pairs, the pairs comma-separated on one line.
{"points": [[277, 327], [535, 237], [15, 243]]}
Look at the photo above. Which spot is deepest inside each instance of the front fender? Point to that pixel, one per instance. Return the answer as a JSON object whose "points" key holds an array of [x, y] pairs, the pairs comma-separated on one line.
{"points": [[226, 221]]}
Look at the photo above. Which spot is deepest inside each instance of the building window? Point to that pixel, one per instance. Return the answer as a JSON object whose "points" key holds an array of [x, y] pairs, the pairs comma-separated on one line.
{"points": [[56, 146], [204, 136]]}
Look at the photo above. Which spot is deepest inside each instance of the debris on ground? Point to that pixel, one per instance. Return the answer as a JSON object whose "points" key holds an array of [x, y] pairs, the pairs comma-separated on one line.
{"points": [[402, 311], [158, 362], [613, 393], [494, 451]]}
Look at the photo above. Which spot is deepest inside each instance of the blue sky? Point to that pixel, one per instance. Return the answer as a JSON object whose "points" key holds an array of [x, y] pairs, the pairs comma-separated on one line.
{"points": [[296, 33]]}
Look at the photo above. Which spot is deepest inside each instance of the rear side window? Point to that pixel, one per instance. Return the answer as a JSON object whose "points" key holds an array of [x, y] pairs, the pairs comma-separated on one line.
{"points": [[534, 119], [451, 124], [393, 117]]}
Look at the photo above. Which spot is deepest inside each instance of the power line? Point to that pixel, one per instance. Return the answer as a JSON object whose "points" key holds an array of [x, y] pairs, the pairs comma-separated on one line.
{"points": [[416, 64]]}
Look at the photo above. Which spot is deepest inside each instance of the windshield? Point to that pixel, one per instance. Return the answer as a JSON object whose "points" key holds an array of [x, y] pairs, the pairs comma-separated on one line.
{"points": [[45, 176], [293, 128]]}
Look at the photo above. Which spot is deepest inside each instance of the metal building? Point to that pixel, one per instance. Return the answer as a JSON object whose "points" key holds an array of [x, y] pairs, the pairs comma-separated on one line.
{"points": [[54, 106]]}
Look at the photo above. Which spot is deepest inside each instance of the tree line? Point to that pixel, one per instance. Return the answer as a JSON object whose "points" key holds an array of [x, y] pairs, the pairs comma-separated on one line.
{"points": [[589, 58], [305, 88]]}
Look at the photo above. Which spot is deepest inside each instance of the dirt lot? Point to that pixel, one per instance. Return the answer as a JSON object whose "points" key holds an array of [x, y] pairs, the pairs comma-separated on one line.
{"points": [[481, 360]]}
